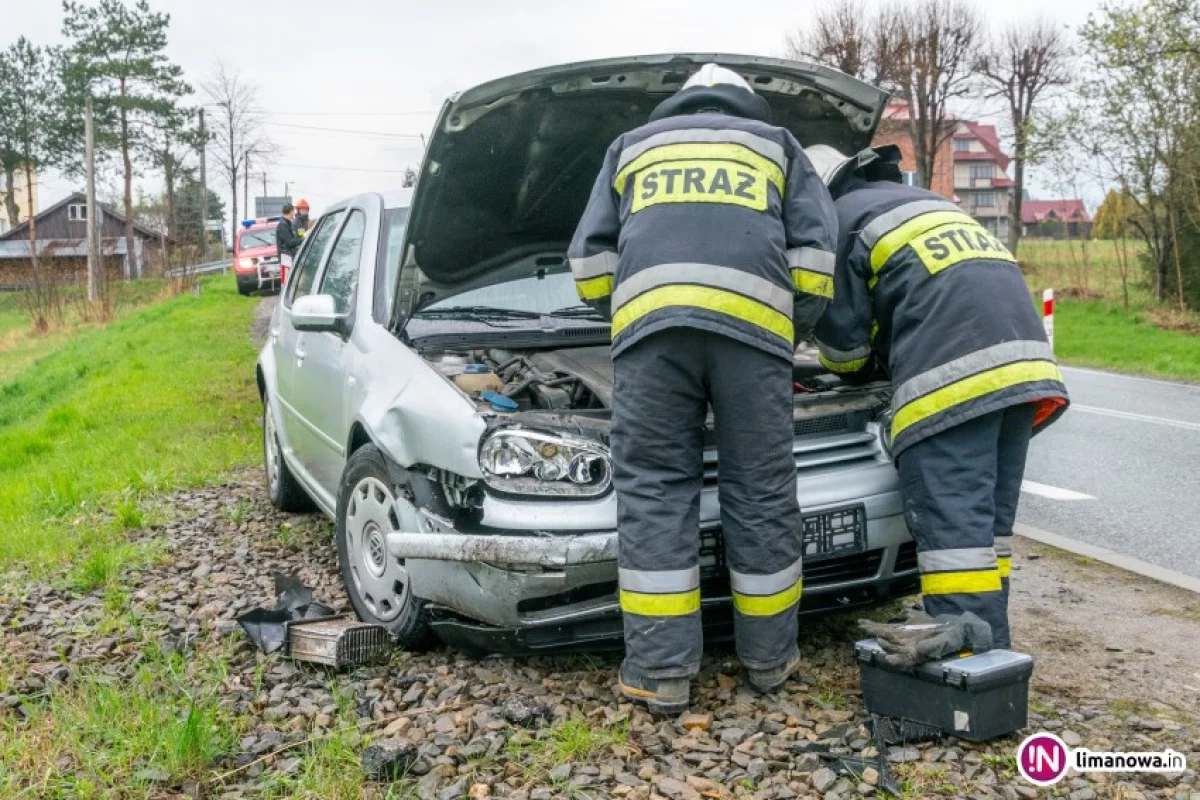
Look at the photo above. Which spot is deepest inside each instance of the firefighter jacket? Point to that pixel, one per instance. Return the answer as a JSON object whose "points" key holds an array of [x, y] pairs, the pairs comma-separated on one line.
{"points": [[707, 220], [940, 301]]}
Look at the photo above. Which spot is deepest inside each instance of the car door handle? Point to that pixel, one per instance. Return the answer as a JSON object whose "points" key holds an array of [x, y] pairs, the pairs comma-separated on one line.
{"points": [[274, 335], [300, 354]]}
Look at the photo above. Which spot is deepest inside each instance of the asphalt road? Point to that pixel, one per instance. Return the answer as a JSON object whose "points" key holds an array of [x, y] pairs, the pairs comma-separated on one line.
{"points": [[1121, 469]]}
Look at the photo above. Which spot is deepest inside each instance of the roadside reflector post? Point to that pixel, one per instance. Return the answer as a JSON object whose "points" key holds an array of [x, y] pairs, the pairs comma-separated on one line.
{"points": [[1048, 316]]}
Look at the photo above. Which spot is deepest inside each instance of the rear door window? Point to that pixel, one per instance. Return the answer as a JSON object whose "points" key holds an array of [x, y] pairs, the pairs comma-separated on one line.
{"points": [[310, 258]]}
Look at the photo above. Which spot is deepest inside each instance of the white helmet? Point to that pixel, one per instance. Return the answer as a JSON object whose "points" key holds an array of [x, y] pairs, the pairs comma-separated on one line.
{"points": [[714, 74], [829, 162]]}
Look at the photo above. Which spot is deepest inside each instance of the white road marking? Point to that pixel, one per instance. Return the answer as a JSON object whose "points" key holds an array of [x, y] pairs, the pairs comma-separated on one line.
{"points": [[1053, 492], [1109, 412], [1124, 377]]}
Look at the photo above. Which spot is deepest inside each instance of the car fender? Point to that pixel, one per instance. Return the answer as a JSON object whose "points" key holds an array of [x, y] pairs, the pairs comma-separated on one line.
{"points": [[412, 413]]}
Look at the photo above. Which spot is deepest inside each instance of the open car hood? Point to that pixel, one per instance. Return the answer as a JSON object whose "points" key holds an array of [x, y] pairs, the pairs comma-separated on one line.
{"points": [[511, 163]]}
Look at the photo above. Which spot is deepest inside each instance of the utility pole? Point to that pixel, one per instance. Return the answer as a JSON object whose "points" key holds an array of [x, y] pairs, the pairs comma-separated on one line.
{"points": [[246, 184], [95, 262], [203, 188], [264, 183]]}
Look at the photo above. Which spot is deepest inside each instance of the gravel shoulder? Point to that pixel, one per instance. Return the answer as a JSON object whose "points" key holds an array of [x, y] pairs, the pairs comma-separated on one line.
{"points": [[129, 677], [1116, 667]]}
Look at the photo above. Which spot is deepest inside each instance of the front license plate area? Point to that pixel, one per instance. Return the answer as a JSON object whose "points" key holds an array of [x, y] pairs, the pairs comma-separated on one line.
{"points": [[838, 532]]}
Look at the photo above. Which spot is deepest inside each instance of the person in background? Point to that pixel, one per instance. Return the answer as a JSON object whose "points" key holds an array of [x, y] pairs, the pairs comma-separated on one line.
{"points": [[706, 231], [287, 240], [302, 223], [925, 293]]}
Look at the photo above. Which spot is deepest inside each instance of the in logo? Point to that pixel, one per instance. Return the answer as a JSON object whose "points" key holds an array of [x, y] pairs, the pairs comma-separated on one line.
{"points": [[1042, 759]]}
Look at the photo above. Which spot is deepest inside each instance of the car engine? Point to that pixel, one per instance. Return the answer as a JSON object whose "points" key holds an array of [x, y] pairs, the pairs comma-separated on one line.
{"points": [[570, 379]]}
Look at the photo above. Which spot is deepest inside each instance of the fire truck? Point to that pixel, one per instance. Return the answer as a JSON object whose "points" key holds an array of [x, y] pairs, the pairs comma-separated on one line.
{"points": [[256, 260]]}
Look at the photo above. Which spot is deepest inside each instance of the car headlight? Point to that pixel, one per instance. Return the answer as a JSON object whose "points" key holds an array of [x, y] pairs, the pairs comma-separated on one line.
{"points": [[533, 463]]}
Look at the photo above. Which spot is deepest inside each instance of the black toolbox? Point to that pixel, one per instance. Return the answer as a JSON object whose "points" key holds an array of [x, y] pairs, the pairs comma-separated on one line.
{"points": [[976, 697]]}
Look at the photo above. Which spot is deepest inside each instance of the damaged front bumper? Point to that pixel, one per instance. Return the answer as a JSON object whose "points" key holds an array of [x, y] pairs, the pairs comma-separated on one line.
{"points": [[539, 576]]}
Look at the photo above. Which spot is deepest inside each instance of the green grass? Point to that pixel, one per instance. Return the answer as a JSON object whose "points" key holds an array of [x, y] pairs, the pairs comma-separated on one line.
{"points": [[569, 740], [163, 397], [1093, 328], [109, 736], [1100, 334], [20, 346]]}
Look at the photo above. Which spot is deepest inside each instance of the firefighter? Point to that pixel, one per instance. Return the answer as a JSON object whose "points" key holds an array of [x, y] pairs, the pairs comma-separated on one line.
{"points": [[707, 234], [925, 292], [301, 217], [287, 240]]}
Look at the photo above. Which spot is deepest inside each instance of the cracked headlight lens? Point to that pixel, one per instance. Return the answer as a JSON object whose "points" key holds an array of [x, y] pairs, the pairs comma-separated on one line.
{"points": [[533, 463]]}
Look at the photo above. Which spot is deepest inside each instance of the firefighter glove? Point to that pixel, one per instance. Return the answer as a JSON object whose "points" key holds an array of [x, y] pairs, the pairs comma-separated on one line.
{"points": [[921, 638]]}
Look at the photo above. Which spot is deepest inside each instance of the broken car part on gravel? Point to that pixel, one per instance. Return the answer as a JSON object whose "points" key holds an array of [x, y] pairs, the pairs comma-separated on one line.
{"points": [[312, 631]]}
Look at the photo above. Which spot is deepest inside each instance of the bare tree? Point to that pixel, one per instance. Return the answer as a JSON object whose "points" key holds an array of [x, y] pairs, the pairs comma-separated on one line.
{"points": [[235, 129], [848, 36], [1023, 66], [939, 47]]}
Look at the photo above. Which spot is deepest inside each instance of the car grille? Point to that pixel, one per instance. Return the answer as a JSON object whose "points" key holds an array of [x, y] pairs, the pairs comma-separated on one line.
{"points": [[834, 423], [906, 558], [815, 453]]}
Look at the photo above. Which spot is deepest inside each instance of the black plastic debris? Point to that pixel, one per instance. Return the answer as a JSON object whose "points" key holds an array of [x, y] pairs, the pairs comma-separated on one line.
{"points": [[267, 627]]}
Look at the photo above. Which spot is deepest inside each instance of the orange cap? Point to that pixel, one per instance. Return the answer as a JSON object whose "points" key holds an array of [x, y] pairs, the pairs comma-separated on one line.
{"points": [[301, 203]]}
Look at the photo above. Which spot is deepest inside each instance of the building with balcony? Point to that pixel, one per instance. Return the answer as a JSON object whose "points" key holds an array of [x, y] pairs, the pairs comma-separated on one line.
{"points": [[981, 183], [970, 168]]}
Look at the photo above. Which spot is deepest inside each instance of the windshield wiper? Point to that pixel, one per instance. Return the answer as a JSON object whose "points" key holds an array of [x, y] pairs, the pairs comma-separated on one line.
{"points": [[477, 312], [577, 311]]}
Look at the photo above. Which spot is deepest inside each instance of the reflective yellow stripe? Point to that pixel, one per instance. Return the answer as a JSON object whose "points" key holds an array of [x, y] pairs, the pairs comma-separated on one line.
{"points": [[972, 387], [813, 283], [678, 604], [897, 238], [594, 288], [708, 298], [1004, 564], [727, 151], [853, 365], [770, 604], [987, 580]]}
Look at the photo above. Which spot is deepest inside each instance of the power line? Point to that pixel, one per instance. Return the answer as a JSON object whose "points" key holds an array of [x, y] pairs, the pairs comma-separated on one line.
{"points": [[343, 169], [350, 113], [344, 130]]}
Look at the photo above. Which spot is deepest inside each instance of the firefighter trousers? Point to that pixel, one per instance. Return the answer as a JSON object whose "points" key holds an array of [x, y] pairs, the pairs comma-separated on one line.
{"points": [[663, 387], [960, 489]]}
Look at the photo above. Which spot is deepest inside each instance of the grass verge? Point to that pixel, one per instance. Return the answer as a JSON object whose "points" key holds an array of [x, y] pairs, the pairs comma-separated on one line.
{"points": [[163, 397], [1093, 328]]}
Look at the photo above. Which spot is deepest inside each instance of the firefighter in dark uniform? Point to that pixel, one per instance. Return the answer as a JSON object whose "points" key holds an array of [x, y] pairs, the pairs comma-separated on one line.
{"points": [[708, 241], [925, 292]]}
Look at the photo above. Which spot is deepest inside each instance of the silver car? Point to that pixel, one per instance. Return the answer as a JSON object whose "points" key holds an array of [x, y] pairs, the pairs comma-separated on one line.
{"points": [[432, 383]]}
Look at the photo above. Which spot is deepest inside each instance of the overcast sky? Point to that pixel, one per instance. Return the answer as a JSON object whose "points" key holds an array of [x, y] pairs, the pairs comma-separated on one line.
{"points": [[385, 66]]}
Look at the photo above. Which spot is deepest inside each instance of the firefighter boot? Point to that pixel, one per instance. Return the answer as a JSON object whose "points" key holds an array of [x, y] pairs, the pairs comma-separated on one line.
{"points": [[660, 695], [770, 681]]}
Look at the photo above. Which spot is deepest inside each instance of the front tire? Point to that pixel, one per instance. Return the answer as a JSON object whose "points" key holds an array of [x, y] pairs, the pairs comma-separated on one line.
{"points": [[284, 491], [377, 583]]}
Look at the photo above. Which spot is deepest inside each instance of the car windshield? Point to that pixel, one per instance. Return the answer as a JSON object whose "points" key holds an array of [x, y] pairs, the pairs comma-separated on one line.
{"points": [[249, 239], [545, 293]]}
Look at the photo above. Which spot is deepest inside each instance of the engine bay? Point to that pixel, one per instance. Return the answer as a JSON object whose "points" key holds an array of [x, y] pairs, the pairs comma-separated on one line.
{"points": [[581, 378], [574, 379]]}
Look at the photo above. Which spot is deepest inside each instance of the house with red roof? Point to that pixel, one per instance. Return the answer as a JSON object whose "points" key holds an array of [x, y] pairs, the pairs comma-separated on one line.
{"points": [[1056, 218], [970, 169], [981, 183]]}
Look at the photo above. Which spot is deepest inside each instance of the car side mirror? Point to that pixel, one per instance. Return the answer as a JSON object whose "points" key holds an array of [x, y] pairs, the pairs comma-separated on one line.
{"points": [[316, 313]]}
